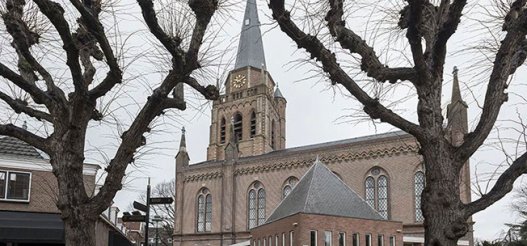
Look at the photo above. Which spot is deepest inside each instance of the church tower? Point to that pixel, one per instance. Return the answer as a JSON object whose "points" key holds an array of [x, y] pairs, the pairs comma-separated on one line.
{"points": [[250, 106]]}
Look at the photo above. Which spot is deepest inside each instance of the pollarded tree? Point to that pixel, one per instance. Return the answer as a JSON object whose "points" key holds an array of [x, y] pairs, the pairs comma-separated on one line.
{"points": [[67, 102], [428, 26]]}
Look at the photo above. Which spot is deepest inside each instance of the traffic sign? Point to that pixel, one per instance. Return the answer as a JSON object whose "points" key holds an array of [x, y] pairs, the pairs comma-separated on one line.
{"points": [[161, 200], [134, 218], [140, 206]]}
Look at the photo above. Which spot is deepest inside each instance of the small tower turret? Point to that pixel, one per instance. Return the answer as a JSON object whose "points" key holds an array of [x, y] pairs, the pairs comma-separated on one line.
{"points": [[182, 157]]}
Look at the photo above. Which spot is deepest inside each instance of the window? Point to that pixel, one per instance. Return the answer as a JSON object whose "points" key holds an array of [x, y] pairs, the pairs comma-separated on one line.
{"points": [[356, 239], [288, 186], [382, 196], [291, 238], [253, 124], [367, 239], [238, 126], [256, 205], [313, 238], [276, 240], [273, 145], [370, 191], [380, 240], [222, 130], [392, 241], [3, 176], [264, 242], [327, 238], [259, 242], [283, 239], [419, 186], [270, 241], [342, 239], [15, 186], [377, 190], [204, 216]]}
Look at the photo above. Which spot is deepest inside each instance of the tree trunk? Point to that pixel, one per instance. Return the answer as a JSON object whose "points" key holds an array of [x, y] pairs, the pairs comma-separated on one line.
{"points": [[445, 222], [79, 230]]}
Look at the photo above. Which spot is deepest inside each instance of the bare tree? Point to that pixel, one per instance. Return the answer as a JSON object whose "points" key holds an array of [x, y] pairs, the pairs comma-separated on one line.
{"points": [[67, 105], [428, 26]]}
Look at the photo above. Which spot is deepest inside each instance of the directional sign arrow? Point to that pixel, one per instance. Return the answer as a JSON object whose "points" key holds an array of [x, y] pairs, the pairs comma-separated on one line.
{"points": [[134, 218], [161, 200], [140, 206]]}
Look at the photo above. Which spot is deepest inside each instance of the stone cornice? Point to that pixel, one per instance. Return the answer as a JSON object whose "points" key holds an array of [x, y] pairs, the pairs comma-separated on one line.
{"points": [[329, 159], [304, 162]]}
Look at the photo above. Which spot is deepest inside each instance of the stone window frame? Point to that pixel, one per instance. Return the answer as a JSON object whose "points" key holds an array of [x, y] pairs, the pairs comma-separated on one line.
{"points": [[256, 200], [223, 130], [418, 213], [204, 197], [288, 185], [373, 177], [7, 175], [237, 126], [253, 124], [316, 237]]}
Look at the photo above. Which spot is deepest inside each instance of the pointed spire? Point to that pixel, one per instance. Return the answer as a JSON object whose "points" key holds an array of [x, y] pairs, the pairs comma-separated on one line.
{"points": [[456, 91], [250, 47], [183, 142]]}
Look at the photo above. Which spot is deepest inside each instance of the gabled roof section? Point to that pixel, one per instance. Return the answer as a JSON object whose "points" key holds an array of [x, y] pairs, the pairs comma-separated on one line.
{"points": [[321, 192], [250, 47], [15, 147]]}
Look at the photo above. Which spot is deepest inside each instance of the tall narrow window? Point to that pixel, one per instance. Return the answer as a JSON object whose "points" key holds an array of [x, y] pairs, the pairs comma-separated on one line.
{"points": [[380, 240], [367, 239], [291, 238], [370, 191], [283, 239], [313, 238], [273, 140], [288, 186], [356, 239], [204, 211], [327, 238], [238, 126], [256, 205], [419, 183], [222, 130], [276, 240], [342, 239], [382, 196], [270, 241], [253, 124], [392, 241], [3, 176]]}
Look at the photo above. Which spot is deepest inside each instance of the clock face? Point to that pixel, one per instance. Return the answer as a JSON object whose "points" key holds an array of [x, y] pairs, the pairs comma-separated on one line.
{"points": [[238, 81]]}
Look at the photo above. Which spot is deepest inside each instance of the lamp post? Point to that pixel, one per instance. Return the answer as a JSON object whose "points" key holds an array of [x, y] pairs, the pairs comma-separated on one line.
{"points": [[157, 219]]}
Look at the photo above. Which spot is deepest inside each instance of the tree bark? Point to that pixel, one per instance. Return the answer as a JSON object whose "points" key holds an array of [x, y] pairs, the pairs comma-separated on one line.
{"points": [[79, 229], [445, 221]]}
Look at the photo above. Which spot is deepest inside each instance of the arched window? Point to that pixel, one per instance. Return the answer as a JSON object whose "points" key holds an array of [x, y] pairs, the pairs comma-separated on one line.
{"points": [[370, 191], [222, 130], [382, 196], [288, 186], [419, 186], [204, 211], [256, 205], [238, 126], [273, 145], [253, 124]]}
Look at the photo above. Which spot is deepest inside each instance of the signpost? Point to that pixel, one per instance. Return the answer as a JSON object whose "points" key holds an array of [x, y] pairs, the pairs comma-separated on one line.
{"points": [[136, 216]]}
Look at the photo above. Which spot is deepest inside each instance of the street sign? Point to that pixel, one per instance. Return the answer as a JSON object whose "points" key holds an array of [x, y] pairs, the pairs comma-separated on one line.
{"points": [[134, 218], [140, 206], [161, 200]]}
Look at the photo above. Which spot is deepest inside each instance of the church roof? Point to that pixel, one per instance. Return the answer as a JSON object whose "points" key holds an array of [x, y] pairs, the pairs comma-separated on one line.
{"points": [[250, 47], [321, 192], [16, 147], [278, 93]]}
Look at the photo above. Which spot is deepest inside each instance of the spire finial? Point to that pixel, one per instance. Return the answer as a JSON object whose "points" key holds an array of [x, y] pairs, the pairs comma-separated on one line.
{"points": [[456, 91], [250, 47], [183, 141]]}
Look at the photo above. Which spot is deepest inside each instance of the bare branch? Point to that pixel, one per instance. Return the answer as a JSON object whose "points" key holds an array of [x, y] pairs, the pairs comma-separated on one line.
{"points": [[503, 185], [20, 106], [26, 136], [39, 96]]}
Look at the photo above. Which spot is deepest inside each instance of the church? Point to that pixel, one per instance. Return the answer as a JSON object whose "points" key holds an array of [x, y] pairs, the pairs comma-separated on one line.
{"points": [[249, 170]]}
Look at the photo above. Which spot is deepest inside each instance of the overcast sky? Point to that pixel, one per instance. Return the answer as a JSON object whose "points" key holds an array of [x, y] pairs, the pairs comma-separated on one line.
{"points": [[316, 111]]}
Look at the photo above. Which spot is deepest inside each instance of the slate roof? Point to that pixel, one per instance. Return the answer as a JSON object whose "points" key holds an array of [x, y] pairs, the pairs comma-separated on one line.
{"points": [[278, 93], [14, 146], [250, 47], [321, 192]]}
